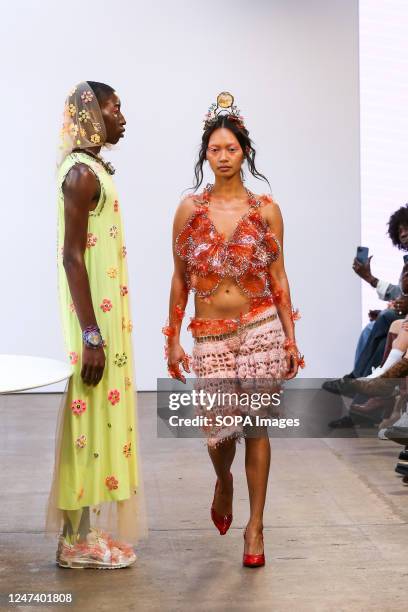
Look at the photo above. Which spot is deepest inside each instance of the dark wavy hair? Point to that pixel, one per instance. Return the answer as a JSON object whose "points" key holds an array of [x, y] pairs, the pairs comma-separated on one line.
{"points": [[400, 217], [242, 135], [101, 90]]}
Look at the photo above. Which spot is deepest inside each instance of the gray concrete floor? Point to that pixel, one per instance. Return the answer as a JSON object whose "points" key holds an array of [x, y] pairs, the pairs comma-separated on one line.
{"points": [[335, 525]]}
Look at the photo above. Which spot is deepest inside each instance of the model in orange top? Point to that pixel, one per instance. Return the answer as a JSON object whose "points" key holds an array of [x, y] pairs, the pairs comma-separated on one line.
{"points": [[228, 250]]}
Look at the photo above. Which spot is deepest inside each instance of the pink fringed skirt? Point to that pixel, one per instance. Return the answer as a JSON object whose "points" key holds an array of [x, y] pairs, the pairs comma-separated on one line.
{"points": [[250, 360]]}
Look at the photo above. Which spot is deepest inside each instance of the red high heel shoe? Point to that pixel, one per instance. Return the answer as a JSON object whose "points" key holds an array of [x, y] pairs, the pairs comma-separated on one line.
{"points": [[253, 560], [222, 523]]}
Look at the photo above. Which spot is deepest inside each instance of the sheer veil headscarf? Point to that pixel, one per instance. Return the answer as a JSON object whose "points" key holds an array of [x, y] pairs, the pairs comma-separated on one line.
{"points": [[83, 124]]}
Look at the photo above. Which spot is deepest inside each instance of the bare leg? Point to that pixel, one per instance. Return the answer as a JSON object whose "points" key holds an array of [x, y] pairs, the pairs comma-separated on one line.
{"points": [[76, 524], [222, 457], [257, 462]]}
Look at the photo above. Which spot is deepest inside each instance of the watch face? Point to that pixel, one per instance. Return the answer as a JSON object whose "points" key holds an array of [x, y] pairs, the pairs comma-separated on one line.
{"points": [[94, 338]]}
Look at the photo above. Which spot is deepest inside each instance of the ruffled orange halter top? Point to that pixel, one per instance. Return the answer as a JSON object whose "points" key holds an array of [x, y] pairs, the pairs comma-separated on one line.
{"points": [[245, 256]]}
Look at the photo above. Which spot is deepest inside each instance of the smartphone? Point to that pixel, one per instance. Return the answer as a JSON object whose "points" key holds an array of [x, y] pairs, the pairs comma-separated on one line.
{"points": [[362, 254], [405, 259]]}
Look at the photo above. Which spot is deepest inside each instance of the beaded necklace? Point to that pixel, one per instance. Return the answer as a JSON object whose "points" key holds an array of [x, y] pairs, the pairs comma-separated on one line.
{"points": [[107, 165]]}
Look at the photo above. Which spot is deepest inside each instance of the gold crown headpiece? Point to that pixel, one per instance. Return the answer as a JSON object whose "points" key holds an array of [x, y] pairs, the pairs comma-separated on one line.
{"points": [[223, 106]]}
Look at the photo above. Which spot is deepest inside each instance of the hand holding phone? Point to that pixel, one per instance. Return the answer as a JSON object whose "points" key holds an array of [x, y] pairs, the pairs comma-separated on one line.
{"points": [[362, 254], [362, 265]]}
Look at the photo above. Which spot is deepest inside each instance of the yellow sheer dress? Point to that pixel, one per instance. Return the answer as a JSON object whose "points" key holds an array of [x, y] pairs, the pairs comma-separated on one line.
{"points": [[97, 467]]}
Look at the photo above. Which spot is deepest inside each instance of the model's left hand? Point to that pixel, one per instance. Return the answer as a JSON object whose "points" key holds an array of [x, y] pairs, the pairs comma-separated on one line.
{"points": [[292, 365]]}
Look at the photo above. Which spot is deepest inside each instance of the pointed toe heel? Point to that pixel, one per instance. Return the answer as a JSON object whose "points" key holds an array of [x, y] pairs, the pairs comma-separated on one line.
{"points": [[249, 560], [253, 560], [222, 522]]}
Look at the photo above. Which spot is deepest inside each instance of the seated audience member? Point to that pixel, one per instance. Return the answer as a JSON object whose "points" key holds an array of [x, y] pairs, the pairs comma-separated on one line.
{"points": [[371, 352]]}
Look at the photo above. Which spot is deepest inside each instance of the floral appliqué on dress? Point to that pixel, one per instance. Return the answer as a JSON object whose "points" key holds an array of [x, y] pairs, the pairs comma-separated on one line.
{"points": [[114, 397], [78, 406], [111, 482], [106, 305]]}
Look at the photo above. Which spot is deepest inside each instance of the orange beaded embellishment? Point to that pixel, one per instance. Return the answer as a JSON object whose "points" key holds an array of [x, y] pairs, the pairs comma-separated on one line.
{"points": [[245, 256]]}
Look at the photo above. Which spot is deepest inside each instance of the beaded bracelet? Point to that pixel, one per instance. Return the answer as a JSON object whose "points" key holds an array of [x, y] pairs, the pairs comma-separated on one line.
{"points": [[170, 330]]}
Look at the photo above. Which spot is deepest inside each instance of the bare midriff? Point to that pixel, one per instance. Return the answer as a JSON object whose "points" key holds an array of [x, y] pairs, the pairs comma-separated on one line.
{"points": [[227, 302]]}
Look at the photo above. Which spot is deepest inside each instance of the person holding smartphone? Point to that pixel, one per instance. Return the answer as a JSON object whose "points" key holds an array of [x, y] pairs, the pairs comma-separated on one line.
{"points": [[371, 351]]}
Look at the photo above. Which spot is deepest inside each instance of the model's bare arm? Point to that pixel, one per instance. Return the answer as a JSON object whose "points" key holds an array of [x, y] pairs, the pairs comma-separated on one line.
{"points": [[178, 297], [80, 190], [280, 284]]}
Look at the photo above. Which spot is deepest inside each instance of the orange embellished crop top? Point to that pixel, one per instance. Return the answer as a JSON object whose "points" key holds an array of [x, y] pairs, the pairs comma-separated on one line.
{"points": [[245, 256]]}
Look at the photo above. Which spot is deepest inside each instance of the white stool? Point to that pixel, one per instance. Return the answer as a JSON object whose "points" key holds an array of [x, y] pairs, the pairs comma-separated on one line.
{"points": [[24, 372]]}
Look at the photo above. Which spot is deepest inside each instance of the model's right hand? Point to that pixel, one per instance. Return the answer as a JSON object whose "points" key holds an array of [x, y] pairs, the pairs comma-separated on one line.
{"points": [[93, 365], [175, 356]]}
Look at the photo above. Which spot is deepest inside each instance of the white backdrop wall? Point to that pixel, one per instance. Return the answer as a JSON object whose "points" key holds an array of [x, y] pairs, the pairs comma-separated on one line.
{"points": [[384, 133], [293, 68]]}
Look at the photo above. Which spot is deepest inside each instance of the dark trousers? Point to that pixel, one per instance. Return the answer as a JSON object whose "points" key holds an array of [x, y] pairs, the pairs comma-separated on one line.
{"points": [[373, 351]]}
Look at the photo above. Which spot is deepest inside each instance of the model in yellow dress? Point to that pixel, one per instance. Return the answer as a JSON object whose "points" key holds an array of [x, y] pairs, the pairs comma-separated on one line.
{"points": [[96, 490]]}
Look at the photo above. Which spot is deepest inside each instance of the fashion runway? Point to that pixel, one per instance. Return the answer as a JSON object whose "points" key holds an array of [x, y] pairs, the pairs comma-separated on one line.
{"points": [[335, 525]]}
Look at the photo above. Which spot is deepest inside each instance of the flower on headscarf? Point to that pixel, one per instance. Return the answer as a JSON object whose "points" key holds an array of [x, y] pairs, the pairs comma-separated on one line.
{"points": [[72, 109], [82, 132], [111, 482], [87, 96], [78, 406], [73, 128], [114, 397], [84, 115], [95, 138], [73, 90]]}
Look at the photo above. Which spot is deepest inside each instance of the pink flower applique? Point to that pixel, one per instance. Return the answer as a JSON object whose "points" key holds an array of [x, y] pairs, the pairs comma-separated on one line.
{"points": [[81, 441], [91, 241], [116, 206], [73, 357], [78, 406], [123, 290], [111, 482], [114, 396], [106, 305]]}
